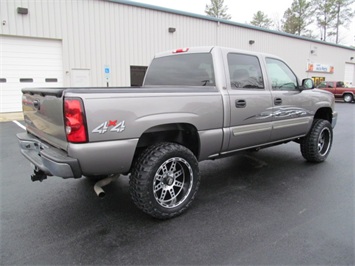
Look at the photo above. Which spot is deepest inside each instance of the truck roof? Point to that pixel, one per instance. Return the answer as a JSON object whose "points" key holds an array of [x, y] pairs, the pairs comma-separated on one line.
{"points": [[208, 49]]}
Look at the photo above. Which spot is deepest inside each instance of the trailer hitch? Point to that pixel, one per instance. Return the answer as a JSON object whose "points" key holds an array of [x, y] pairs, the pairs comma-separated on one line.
{"points": [[38, 175]]}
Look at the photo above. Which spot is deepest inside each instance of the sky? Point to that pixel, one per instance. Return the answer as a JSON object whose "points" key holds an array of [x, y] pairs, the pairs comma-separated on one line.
{"points": [[243, 10]]}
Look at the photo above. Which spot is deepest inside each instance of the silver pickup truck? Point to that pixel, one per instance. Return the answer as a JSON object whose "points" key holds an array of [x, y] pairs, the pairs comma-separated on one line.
{"points": [[196, 104]]}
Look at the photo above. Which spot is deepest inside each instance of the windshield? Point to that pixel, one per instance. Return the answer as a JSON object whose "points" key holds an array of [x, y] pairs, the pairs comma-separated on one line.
{"points": [[181, 70]]}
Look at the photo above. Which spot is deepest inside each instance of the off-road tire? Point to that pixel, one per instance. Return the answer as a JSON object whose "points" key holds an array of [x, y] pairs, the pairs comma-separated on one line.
{"points": [[164, 180], [316, 145]]}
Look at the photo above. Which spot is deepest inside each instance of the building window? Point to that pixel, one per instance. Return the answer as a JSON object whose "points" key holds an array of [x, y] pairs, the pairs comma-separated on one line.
{"points": [[318, 80], [51, 80], [26, 80], [2, 80]]}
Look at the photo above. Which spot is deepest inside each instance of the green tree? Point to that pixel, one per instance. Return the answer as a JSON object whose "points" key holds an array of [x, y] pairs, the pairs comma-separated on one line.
{"points": [[326, 16], [344, 14], [217, 9], [298, 17], [289, 22], [261, 20]]}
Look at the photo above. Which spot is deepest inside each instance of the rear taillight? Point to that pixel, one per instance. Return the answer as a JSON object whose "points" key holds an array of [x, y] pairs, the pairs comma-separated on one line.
{"points": [[75, 126]]}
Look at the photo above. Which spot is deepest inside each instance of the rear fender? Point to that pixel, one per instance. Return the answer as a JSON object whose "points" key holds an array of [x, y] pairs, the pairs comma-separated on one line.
{"points": [[181, 133]]}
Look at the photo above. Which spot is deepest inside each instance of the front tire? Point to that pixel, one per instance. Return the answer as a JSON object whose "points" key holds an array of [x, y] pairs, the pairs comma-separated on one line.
{"points": [[316, 145], [164, 180]]}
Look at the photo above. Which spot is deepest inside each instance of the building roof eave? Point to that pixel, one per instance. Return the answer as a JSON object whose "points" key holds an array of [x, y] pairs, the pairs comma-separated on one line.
{"points": [[228, 22]]}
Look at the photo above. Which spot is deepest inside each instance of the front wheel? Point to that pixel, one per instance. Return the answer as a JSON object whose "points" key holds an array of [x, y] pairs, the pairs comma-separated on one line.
{"points": [[164, 180], [348, 98], [315, 146]]}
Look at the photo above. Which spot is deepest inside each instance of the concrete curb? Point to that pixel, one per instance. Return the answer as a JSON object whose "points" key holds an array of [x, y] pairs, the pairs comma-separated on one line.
{"points": [[5, 117]]}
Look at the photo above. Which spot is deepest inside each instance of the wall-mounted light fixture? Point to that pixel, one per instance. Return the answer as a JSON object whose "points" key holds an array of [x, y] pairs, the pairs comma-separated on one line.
{"points": [[312, 51], [22, 10], [352, 58], [251, 42], [172, 30]]}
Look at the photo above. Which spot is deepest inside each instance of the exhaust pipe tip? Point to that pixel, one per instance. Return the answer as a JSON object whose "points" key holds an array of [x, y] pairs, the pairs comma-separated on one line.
{"points": [[101, 194], [98, 186], [99, 191]]}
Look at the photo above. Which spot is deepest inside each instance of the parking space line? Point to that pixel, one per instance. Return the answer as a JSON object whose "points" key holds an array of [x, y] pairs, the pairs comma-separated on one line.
{"points": [[19, 124]]}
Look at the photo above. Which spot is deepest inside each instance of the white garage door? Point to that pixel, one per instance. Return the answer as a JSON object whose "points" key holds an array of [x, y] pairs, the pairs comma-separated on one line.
{"points": [[349, 77], [26, 63]]}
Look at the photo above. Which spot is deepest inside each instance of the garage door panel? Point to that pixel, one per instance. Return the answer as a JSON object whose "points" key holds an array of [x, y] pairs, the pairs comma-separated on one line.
{"points": [[51, 64], [12, 89], [11, 68], [29, 54], [27, 59], [349, 75], [15, 71]]}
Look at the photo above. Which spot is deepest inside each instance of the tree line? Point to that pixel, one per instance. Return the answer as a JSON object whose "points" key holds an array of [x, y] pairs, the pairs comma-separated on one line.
{"points": [[301, 18]]}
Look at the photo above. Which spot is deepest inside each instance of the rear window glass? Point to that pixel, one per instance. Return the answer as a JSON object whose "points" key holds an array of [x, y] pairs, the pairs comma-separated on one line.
{"points": [[181, 70]]}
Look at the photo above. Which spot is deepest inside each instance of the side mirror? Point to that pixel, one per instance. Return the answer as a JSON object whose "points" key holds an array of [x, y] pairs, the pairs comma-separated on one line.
{"points": [[307, 84]]}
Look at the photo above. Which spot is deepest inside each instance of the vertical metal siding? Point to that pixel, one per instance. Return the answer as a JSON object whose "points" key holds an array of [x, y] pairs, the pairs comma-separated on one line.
{"points": [[97, 33]]}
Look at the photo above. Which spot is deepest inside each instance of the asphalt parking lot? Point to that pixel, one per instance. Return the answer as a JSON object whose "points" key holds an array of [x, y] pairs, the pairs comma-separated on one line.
{"points": [[268, 207]]}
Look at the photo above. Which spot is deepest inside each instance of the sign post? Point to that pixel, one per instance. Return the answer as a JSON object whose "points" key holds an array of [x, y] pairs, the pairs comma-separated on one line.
{"points": [[107, 71]]}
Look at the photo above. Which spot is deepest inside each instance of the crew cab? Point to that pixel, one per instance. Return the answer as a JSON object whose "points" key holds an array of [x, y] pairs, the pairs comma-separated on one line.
{"points": [[196, 104], [339, 90]]}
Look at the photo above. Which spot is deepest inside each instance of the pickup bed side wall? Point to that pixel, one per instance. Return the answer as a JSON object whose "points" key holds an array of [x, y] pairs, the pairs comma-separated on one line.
{"points": [[143, 111], [116, 122], [114, 156]]}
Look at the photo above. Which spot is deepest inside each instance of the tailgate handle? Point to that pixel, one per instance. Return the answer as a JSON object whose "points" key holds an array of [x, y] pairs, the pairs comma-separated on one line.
{"points": [[240, 103], [36, 104]]}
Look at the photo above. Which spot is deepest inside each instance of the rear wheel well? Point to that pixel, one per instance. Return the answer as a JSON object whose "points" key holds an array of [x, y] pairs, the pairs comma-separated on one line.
{"points": [[183, 134]]}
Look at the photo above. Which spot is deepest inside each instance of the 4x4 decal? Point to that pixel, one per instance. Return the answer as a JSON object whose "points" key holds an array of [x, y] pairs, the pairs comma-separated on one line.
{"points": [[111, 125]]}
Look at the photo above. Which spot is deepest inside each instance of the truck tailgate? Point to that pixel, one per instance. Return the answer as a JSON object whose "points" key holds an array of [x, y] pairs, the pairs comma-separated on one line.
{"points": [[43, 114]]}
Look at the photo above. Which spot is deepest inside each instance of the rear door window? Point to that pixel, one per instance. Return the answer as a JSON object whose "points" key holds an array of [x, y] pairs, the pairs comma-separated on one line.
{"points": [[245, 72]]}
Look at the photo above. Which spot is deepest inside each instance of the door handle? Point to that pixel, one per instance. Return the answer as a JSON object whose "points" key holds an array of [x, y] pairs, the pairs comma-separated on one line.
{"points": [[240, 103], [277, 101]]}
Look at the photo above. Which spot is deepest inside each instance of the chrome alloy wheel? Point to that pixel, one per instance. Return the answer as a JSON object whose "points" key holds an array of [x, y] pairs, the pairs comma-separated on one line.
{"points": [[324, 141], [172, 182]]}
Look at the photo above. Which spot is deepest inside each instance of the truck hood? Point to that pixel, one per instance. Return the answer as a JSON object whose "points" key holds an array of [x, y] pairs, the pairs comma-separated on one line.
{"points": [[322, 91]]}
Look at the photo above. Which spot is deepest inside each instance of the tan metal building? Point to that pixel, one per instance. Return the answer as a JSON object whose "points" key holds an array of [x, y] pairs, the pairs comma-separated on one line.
{"points": [[111, 42]]}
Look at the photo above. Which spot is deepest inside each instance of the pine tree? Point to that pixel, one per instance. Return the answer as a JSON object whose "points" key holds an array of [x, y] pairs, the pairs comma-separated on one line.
{"points": [[344, 14], [289, 22], [326, 16], [261, 20], [217, 9], [298, 17]]}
